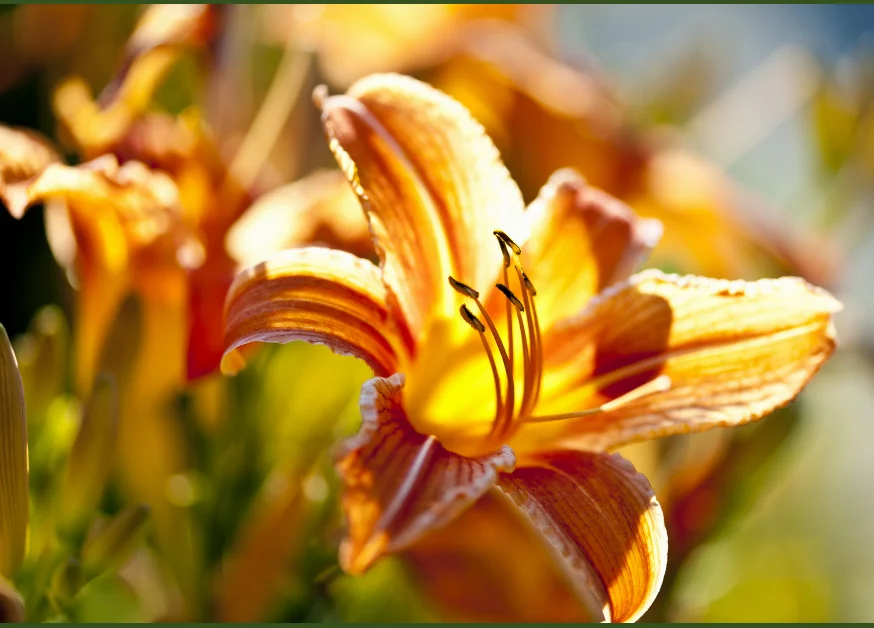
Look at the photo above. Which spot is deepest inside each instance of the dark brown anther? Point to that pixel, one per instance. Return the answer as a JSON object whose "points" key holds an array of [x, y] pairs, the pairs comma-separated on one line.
{"points": [[528, 285], [503, 237], [471, 320], [512, 297], [463, 288]]}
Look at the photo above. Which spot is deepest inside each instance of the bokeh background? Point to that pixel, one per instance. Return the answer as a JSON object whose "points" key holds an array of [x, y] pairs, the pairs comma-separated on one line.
{"points": [[775, 527]]}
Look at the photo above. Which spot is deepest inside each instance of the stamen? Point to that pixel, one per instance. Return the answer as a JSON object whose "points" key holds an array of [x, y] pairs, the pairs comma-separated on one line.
{"points": [[512, 297], [528, 285], [474, 322], [661, 383], [463, 288]]}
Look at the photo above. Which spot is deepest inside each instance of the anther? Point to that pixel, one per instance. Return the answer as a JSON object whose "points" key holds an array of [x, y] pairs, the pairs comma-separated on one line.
{"points": [[472, 320], [503, 237], [463, 288], [505, 253], [512, 297], [528, 285]]}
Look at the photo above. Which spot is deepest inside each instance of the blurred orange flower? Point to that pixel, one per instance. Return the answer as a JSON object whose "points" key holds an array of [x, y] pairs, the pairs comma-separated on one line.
{"points": [[545, 114], [590, 361]]}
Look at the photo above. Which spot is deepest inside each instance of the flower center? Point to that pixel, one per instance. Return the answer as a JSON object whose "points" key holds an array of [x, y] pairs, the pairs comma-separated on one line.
{"points": [[515, 404]]}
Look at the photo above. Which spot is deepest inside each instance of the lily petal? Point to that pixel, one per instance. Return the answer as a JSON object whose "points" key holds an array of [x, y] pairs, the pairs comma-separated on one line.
{"points": [[604, 523], [492, 565], [23, 154], [582, 241], [317, 295], [432, 184], [400, 484], [13, 462], [733, 352]]}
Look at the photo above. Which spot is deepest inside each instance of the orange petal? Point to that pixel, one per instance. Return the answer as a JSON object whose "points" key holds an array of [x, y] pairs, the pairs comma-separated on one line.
{"points": [[23, 154], [319, 209], [582, 241], [316, 295], [602, 520], [733, 352], [491, 565], [432, 184], [400, 484]]}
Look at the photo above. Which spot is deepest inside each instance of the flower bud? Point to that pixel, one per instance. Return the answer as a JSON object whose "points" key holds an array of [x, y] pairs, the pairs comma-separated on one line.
{"points": [[13, 462]]}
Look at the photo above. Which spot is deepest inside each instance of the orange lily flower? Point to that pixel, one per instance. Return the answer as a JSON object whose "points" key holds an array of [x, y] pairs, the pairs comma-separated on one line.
{"points": [[525, 391]]}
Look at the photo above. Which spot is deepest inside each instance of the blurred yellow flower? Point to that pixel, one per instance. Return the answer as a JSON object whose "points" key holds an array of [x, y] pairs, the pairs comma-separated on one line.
{"points": [[353, 40], [590, 360]]}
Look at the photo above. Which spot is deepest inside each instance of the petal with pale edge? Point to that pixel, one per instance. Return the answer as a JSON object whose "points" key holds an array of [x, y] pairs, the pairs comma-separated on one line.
{"points": [[317, 295], [603, 522], [13, 461], [432, 184], [399, 484], [582, 241], [733, 352]]}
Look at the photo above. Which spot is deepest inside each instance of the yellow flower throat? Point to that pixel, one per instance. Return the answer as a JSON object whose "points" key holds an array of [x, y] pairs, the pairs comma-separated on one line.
{"points": [[515, 407]]}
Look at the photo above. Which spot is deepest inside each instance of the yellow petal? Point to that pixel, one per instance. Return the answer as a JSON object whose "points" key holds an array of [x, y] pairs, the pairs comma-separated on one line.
{"points": [[11, 603], [432, 184], [23, 154], [732, 351], [316, 295], [399, 484], [13, 462], [91, 458], [582, 241], [491, 565], [602, 520], [319, 209]]}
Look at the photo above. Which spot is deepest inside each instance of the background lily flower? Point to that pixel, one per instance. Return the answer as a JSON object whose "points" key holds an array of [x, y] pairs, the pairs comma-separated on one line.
{"points": [[545, 114], [649, 356]]}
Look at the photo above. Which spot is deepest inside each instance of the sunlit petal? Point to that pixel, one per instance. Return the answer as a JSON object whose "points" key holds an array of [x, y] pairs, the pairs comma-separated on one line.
{"points": [[317, 295], [729, 351], [602, 520], [399, 484], [432, 184]]}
